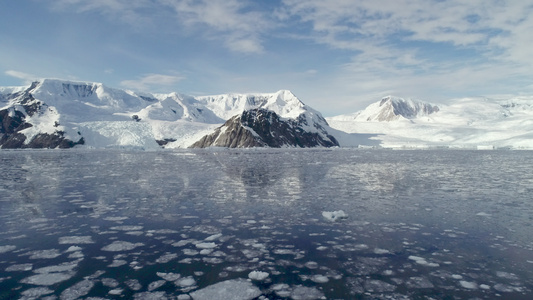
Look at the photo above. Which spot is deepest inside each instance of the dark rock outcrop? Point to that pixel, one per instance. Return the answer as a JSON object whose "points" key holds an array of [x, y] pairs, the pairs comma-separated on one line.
{"points": [[13, 121], [264, 128]]}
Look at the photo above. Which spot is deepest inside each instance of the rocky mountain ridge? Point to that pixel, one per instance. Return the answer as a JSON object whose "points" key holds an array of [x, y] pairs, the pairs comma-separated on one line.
{"points": [[56, 113]]}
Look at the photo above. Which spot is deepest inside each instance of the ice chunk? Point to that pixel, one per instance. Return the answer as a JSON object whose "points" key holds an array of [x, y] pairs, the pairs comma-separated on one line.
{"points": [[155, 285], [166, 258], [78, 290], [73, 249], [45, 254], [206, 245], [35, 293], [507, 275], [7, 248], [134, 284], [258, 275], [150, 296], [381, 251], [307, 293], [185, 281], [169, 276], [127, 228], [47, 278], [236, 289], [19, 268], [334, 215], [76, 240], [117, 263], [378, 286], [419, 283], [116, 292], [65, 267], [213, 237], [110, 282], [422, 261], [319, 279], [117, 246], [504, 288], [468, 285]]}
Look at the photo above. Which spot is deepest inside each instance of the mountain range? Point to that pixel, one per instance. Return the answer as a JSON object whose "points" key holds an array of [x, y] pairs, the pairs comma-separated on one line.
{"points": [[55, 113]]}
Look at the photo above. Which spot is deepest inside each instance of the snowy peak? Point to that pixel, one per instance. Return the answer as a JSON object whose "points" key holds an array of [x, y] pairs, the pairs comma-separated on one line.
{"points": [[393, 108], [264, 128], [284, 103]]}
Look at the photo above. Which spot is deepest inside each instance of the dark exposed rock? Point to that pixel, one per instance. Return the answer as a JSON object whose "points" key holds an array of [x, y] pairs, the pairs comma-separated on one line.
{"points": [[163, 142], [264, 128], [13, 121]]}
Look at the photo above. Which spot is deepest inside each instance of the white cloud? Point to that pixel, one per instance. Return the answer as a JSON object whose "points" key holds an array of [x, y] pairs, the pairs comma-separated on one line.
{"points": [[152, 81], [28, 78], [230, 20], [477, 23]]}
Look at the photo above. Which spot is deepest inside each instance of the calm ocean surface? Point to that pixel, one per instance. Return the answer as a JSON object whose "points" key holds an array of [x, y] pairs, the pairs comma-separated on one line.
{"points": [[266, 224]]}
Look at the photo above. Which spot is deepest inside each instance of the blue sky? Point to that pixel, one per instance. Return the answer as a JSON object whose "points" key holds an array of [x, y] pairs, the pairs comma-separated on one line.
{"points": [[335, 55]]}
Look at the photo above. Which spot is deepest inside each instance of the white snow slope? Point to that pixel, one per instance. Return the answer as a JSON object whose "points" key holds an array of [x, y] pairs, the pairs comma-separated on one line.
{"points": [[477, 123], [114, 118], [111, 118]]}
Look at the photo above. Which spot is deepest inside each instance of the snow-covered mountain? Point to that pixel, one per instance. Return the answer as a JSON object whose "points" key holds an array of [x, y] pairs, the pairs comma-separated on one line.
{"points": [[260, 127], [461, 123], [393, 108], [69, 113]]}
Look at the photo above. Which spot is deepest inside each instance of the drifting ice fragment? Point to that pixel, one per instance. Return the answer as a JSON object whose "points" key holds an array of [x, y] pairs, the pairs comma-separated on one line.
{"points": [[4, 249], [78, 290], [334, 215], [76, 240], [117, 246], [258, 275], [236, 289]]}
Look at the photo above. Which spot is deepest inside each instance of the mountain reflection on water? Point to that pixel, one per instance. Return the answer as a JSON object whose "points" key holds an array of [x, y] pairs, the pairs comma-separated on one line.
{"points": [[163, 224]]}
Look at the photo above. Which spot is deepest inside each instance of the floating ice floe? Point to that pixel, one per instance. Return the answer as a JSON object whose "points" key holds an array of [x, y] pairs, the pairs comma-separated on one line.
{"points": [[422, 261], [166, 258], [169, 276], [150, 296], [236, 289], [156, 284], [258, 275], [483, 214], [334, 215], [47, 278], [127, 228], [468, 285], [35, 293], [45, 254], [117, 246], [76, 240], [213, 237], [117, 263], [78, 290], [306, 293], [319, 278], [134, 284], [7, 248], [206, 245], [19, 268]]}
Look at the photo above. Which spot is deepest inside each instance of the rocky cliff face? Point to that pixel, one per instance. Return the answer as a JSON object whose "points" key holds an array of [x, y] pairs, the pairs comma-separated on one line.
{"points": [[265, 128], [14, 119]]}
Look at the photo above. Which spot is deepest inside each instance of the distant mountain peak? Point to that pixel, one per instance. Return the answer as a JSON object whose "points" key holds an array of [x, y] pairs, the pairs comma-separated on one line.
{"points": [[392, 108]]}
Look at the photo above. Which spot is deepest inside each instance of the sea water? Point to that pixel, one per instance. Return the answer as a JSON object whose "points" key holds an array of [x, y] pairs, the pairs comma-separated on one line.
{"points": [[266, 224]]}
